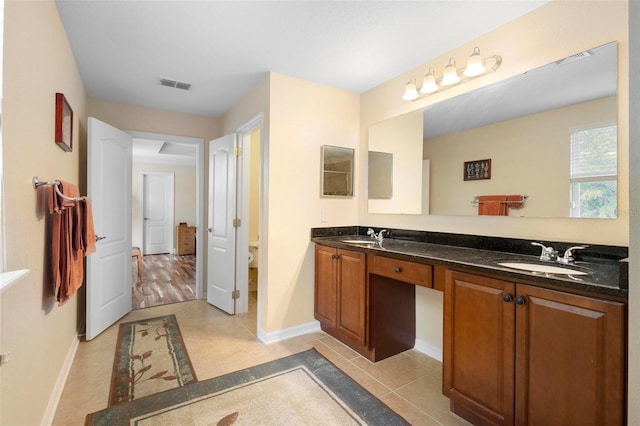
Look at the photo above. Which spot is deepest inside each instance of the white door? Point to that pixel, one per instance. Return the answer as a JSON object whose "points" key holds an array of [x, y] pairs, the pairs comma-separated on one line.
{"points": [[157, 210], [109, 188], [222, 233]]}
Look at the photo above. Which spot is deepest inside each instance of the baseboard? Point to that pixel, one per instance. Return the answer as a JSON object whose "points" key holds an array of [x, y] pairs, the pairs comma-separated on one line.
{"points": [[54, 399], [288, 333], [428, 349]]}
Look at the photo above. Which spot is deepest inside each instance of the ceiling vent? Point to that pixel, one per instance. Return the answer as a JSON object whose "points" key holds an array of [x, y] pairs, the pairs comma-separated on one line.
{"points": [[574, 58], [175, 84]]}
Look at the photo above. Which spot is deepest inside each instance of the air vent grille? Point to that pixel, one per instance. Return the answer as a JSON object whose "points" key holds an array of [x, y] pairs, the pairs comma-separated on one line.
{"points": [[574, 58], [175, 84]]}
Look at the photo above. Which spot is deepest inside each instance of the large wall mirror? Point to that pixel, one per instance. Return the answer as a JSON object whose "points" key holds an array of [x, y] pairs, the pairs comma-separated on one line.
{"points": [[550, 133]]}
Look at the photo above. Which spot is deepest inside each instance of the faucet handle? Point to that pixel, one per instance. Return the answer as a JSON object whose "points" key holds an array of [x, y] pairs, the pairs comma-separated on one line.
{"points": [[568, 254], [548, 253], [371, 233]]}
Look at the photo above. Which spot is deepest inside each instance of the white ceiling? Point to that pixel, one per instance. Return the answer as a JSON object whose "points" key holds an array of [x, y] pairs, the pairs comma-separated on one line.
{"points": [[224, 48], [162, 152]]}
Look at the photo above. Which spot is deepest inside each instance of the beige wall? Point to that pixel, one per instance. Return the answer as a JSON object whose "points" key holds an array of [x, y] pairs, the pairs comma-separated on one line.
{"points": [[37, 63], [535, 163], [184, 196], [553, 31], [402, 137], [304, 116], [153, 120], [299, 117]]}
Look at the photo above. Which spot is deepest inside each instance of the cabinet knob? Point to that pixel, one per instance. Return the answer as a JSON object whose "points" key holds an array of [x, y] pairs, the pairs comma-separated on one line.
{"points": [[398, 270], [335, 256], [507, 298], [519, 300]]}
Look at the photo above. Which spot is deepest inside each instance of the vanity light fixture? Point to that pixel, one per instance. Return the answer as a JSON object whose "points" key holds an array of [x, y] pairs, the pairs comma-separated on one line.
{"points": [[476, 67]]}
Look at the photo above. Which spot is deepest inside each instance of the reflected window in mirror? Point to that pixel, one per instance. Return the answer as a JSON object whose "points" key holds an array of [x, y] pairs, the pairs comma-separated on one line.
{"points": [[594, 172], [337, 171]]}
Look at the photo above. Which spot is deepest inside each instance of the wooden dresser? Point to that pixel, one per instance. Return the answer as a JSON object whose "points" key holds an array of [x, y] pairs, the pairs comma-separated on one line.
{"points": [[185, 240]]}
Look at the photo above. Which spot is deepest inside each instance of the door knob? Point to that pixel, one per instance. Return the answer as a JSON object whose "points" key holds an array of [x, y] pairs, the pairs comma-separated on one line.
{"points": [[98, 238], [210, 229]]}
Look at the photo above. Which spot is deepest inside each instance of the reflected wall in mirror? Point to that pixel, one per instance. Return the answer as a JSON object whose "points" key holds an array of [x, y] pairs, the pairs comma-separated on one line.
{"points": [[380, 175], [551, 134], [337, 171], [402, 139]]}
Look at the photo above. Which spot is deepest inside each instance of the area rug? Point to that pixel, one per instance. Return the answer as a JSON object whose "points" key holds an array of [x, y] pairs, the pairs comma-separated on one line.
{"points": [[150, 358], [301, 389]]}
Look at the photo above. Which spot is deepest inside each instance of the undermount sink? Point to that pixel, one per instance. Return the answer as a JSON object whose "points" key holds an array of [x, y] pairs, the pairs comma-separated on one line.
{"points": [[547, 269], [359, 241]]}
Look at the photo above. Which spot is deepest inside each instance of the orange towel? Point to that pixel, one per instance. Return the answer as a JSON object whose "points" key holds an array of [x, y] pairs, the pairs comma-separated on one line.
{"points": [[492, 205], [88, 231], [72, 238]]}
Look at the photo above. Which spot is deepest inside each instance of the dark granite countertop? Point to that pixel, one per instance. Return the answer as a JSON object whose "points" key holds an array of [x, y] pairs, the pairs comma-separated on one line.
{"points": [[602, 278]]}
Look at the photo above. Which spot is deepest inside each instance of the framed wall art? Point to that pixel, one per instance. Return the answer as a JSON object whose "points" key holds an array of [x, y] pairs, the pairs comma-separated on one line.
{"points": [[477, 170], [64, 123]]}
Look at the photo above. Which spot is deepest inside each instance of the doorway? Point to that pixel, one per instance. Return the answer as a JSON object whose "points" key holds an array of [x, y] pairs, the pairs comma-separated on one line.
{"points": [[157, 211], [252, 205], [167, 170], [237, 195]]}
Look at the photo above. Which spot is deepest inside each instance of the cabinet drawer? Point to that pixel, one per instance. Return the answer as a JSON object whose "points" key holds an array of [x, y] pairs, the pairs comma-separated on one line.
{"points": [[402, 270]]}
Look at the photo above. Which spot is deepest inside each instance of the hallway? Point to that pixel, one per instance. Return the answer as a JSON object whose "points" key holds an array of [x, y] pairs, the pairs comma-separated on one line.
{"points": [[164, 279]]}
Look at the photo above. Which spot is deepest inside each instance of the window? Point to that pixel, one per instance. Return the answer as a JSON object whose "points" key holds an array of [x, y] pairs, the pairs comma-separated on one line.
{"points": [[594, 172]]}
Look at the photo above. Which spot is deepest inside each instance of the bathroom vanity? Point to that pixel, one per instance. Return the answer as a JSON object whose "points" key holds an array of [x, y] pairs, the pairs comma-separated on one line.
{"points": [[519, 346]]}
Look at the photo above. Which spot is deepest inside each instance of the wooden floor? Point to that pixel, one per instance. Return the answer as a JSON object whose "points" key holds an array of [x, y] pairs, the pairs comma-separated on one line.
{"points": [[165, 278]]}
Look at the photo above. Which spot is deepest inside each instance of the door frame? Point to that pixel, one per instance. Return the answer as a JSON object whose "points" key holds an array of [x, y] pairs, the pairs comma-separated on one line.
{"points": [[172, 179], [243, 132], [200, 204]]}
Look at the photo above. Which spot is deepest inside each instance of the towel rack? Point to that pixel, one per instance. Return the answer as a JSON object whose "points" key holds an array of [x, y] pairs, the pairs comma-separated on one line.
{"points": [[37, 183], [523, 197]]}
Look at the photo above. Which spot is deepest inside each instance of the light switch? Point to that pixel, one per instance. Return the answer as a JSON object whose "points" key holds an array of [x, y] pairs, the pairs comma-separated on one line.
{"points": [[324, 215]]}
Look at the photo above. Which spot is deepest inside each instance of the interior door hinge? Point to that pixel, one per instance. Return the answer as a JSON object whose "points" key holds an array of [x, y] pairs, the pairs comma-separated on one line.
{"points": [[236, 223], [237, 151], [235, 294]]}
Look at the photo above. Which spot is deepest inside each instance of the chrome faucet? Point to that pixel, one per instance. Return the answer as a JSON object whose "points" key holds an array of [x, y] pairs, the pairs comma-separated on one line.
{"points": [[379, 236], [548, 253], [568, 254]]}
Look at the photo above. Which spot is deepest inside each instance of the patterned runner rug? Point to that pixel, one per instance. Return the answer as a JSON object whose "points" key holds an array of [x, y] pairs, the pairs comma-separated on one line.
{"points": [[150, 358], [301, 389]]}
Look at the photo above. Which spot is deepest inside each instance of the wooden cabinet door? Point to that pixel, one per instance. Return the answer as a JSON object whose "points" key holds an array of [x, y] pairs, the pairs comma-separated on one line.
{"points": [[569, 359], [352, 295], [326, 286], [478, 352]]}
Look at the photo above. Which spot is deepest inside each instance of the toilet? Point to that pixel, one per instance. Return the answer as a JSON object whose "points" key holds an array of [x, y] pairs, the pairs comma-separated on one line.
{"points": [[253, 265], [253, 254]]}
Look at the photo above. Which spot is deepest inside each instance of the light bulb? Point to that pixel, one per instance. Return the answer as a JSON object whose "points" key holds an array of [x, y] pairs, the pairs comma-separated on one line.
{"points": [[450, 75], [475, 67], [429, 84], [411, 91]]}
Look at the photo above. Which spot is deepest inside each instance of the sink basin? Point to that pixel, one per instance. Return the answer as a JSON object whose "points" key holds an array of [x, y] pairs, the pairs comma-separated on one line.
{"points": [[366, 242], [547, 269]]}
